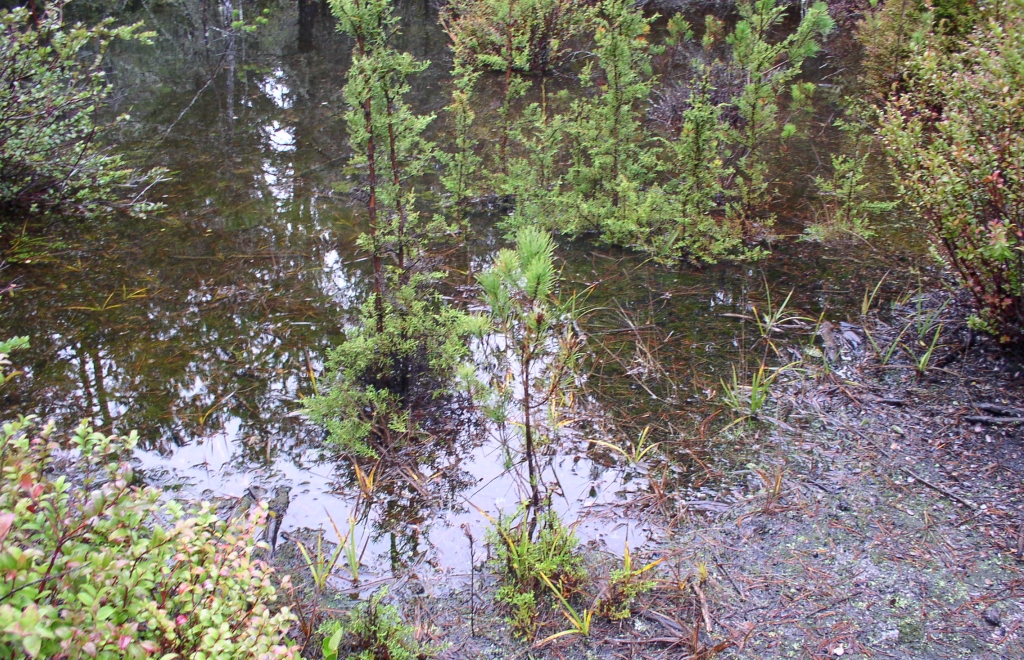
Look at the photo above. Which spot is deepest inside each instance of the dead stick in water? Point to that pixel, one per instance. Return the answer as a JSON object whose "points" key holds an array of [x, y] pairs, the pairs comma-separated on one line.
{"points": [[472, 582]]}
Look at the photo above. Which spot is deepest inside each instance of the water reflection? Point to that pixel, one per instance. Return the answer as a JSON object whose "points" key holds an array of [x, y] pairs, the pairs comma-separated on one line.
{"points": [[204, 328]]}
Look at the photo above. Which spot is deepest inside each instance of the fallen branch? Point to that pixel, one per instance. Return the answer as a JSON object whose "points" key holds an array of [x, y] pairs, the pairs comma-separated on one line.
{"points": [[940, 489], [998, 409], [986, 419]]}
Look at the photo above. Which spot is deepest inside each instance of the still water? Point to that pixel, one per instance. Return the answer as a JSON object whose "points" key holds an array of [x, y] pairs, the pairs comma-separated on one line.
{"points": [[206, 325]]}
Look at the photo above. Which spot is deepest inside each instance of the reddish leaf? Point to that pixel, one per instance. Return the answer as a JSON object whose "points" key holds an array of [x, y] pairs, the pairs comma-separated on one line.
{"points": [[6, 521]]}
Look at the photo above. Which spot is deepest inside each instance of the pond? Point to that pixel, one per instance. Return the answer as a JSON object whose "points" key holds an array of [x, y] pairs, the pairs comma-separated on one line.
{"points": [[205, 326]]}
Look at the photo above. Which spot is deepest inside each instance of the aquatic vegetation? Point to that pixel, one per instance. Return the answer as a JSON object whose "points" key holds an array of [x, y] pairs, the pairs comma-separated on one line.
{"points": [[378, 374], [847, 199], [528, 36], [757, 56], [638, 452], [581, 620], [531, 562], [6, 346], [407, 342], [374, 630], [625, 585], [610, 168], [51, 156], [461, 164], [102, 568], [955, 135], [514, 37], [748, 400], [588, 162], [887, 36]]}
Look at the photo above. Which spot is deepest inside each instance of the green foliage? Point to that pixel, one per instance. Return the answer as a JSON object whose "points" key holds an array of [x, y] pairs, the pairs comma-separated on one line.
{"points": [[955, 18], [533, 564], [611, 167], [697, 171], [522, 35], [887, 36], [374, 631], [408, 342], [6, 346], [747, 401], [462, 165], [386, 136], [618, 179], [846, 202], [957, 137], [104, 569], [625, 585], [375, 375], [538, 347], [587, 161], [515, 37], [52, 159], [768, 65]]}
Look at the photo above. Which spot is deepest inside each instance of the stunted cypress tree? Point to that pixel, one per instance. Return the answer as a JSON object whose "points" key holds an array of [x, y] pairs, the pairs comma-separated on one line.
{"points": [[408, 341], [612, 164], [768, 65]]}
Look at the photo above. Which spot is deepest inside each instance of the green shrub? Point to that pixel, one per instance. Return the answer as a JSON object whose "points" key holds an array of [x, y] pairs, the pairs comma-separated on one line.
{"points": [[525, 549], [6, 346], [538, 349], [957, 136], [846, 204], [887, 36], [97, 568], [374, 631], [625, 586], [52, 159], [377, 376], [768, 65], [521, 35], [408, 341]]}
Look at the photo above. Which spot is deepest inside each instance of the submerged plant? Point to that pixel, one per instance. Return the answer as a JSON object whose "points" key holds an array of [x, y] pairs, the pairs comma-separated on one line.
{"points": [[767, 65], [847, 205]]}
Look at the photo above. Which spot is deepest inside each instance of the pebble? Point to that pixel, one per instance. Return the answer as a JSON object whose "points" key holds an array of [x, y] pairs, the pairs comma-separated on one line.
{"points": [[991, 617]]}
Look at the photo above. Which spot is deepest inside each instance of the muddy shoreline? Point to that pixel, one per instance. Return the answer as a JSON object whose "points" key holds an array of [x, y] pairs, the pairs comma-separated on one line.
{"points": [[869, 512]]}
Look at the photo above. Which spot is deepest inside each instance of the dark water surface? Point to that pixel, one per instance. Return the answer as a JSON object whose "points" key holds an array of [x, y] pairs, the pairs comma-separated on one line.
{"points": [[205, 326]]}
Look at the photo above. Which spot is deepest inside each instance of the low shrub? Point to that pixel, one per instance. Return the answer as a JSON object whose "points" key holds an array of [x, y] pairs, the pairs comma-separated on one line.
{"points": [[956, 135], [532, 560], [52, 159], [95, 567]]}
